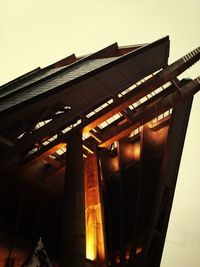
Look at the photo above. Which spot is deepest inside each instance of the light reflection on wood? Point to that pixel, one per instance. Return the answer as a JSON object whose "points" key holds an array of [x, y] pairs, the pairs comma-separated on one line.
{"points": [[95, 248]]}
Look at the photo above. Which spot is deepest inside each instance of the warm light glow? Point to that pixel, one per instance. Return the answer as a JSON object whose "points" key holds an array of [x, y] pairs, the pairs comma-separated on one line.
{"points": [[117, 259], [114, 164], [127, 254], [131, 151], [95, 137], [159, 118], [138, 250], [152, 123], [136, 151], [88, 149], [18, 255], [158, 136], [91, 242], [95, 248]]}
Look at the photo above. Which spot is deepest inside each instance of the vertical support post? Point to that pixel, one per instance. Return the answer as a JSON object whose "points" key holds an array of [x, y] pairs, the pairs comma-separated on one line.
{"points": [[167, 182], [122, 207], [10, 260], [73, 229], [152, 147], [95, 240]]}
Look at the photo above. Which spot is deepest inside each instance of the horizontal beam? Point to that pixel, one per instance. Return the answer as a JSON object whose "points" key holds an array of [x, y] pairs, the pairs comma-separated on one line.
{"points": [[150, 111], [167, 74], [45, 154]]}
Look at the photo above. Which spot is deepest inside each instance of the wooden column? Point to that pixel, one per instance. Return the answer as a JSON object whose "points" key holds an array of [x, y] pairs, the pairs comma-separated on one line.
{"points": [[166, 184], [95, 239], [73, 250]]}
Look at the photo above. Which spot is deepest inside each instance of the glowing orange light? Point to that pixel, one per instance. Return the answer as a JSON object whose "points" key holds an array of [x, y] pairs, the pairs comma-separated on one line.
{"points": [[138, 250], [91, 234], [132, 151], [136, 151], [93, 213], [127, 254], [158, 136], [114, 164]]}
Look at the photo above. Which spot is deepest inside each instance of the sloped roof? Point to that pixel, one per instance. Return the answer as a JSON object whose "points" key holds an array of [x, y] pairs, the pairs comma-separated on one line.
{"points": [[138, 63], [41, 106]]}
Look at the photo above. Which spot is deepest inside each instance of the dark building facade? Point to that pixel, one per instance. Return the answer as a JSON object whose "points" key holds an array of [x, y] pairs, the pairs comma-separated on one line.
{"points": [[89, 151]]}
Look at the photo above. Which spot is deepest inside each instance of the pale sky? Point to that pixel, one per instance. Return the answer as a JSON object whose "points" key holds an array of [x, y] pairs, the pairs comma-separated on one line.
{"points": [[39, 32]]}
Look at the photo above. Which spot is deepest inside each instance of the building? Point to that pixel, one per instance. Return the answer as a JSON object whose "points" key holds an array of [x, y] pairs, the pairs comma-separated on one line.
{"points": [[90, 151]]}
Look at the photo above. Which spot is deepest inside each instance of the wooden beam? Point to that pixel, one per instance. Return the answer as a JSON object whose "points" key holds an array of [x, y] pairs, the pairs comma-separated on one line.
{"points": [[44, 155], [138, 118], [149, 112], [120, 104], [167, 183], [73, 240], [167, 74]]}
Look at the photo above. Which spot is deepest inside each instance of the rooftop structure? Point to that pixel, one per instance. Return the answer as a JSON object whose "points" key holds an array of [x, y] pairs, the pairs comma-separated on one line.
{"points": [[90, 150]]}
